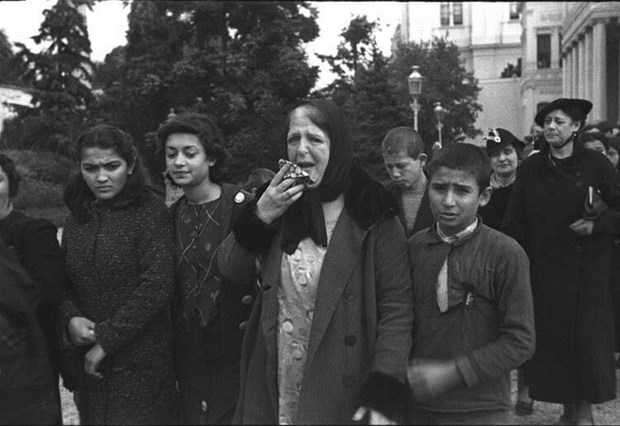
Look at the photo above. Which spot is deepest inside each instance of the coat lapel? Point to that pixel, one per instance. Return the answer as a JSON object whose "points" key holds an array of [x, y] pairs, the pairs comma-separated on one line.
{"points": [[226, 210], [269, 322], [343, 255]]}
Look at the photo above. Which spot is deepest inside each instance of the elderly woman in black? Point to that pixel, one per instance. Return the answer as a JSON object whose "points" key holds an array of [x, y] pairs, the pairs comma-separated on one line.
{"points": [[329, 335], [34, 244], [555, 214], [118, 247]]}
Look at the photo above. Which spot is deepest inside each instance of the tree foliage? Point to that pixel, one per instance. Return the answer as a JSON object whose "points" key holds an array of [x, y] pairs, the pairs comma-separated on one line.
{"points": [[373, 89], [9, 66], [60, 74], [241, 62]]}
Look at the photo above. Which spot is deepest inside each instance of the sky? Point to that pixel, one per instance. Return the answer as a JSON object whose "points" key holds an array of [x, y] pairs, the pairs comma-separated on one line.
{"points": [[107, 25]]}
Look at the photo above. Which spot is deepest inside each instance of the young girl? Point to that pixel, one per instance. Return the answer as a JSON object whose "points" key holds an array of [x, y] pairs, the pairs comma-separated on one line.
{"points": [[209, 316], [117, 242]]}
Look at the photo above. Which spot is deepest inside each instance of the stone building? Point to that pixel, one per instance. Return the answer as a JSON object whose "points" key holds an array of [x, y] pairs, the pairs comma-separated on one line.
{"points": [[564, 49], [590, 51], [12, 97], [488, 35]]}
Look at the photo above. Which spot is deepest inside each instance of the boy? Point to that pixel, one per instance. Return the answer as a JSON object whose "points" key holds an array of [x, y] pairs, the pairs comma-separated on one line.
{"points": [[473, 303], [404, 159]]}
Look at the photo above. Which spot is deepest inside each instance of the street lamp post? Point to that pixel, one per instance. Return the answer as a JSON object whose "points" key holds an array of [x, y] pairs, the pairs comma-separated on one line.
{"points": [[440, 114], [415, 89]]}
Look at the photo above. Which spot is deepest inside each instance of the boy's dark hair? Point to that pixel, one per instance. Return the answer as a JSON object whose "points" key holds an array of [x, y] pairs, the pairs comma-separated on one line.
{"points": [[78, 197], [403, 139], [208, 134], [8, 165], [464, 157], [594, 136]]}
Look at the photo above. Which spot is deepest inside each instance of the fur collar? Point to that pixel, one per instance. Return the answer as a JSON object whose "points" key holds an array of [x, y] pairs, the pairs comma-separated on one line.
{"points": [[367, 201]]}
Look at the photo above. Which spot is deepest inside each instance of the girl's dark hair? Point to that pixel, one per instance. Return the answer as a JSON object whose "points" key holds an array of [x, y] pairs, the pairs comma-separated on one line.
{"points": [[8, 165], [208, 134], [79, 198]]}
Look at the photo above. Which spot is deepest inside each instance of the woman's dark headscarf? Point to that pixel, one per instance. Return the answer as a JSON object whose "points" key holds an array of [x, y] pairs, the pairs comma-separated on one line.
{"points": [[305, 217]]}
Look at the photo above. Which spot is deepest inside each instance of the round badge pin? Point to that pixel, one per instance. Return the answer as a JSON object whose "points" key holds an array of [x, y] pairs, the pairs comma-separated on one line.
{"points": [[239, 198]]}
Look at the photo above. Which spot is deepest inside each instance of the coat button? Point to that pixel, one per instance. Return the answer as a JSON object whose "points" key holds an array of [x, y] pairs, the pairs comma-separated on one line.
{"points": [[350, 340], [577, 249], [243, 325], [204, 407], [247, 299], [350, 297]]}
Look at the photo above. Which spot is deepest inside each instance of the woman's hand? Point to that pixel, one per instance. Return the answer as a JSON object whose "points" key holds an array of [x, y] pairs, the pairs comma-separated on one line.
{"points": [[279, 196], [92, 359], [82, 331]]}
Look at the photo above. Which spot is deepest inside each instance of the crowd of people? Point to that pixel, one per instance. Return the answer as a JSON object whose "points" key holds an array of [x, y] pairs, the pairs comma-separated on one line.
{"points": [[320, 296]]}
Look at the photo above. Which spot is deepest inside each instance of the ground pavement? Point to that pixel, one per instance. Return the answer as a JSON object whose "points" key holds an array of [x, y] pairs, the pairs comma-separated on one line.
{"points": [[544, 413]]}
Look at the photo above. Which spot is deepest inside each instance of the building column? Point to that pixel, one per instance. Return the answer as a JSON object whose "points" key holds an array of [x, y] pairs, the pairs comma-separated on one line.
{"points": [[565, 74], [582, 67], [599, 71], [555, 48], [569, 65], [588, 67], [575, 69]]}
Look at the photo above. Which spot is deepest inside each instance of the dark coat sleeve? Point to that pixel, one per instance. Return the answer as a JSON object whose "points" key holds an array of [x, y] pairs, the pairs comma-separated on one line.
{"points": [[156, 264], [515, 314], [608, 221], [44, 262], [514, 222]]}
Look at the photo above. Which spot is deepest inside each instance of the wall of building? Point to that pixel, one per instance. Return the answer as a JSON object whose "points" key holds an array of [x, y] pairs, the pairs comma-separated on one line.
{"points": [[488, 41], [501, 106], [12, 96]]}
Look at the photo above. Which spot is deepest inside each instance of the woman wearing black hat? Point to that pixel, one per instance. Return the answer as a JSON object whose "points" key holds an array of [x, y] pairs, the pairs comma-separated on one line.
{"points": [[556, 215], [331, 329]]}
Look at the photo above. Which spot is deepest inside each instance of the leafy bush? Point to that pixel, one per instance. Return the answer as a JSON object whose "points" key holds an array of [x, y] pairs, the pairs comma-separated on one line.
{"points": [[43, 165], [44, 176]]}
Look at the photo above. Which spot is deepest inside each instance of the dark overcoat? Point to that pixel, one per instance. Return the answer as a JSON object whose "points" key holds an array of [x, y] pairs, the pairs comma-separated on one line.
{"points": [[361, 331], [121, 269], [569, 274]]}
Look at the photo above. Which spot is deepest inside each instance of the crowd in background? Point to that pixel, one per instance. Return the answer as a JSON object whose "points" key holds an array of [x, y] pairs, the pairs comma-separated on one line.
{"points": [[314, 294]]}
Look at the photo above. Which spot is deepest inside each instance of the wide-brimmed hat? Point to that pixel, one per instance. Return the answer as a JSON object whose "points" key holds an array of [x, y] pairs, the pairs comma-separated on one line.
{"points": [[497, 138], [564, 104]]}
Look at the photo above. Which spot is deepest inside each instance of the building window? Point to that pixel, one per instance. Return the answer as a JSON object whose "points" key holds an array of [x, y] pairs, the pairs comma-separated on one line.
{"points": [[451, 13], [514, 10], [457, 13], [543, 56]]}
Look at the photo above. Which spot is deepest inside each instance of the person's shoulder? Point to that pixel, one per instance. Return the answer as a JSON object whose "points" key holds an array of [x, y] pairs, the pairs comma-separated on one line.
{"points": [[499, 243], [152, 205], [21, 222], [420, 238]]}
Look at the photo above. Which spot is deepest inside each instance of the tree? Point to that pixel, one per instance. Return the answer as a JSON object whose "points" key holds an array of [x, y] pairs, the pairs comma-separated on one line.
{"points": [[241, 62], [61, 73], [9, 67], [446, 81], [373, 89]]}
